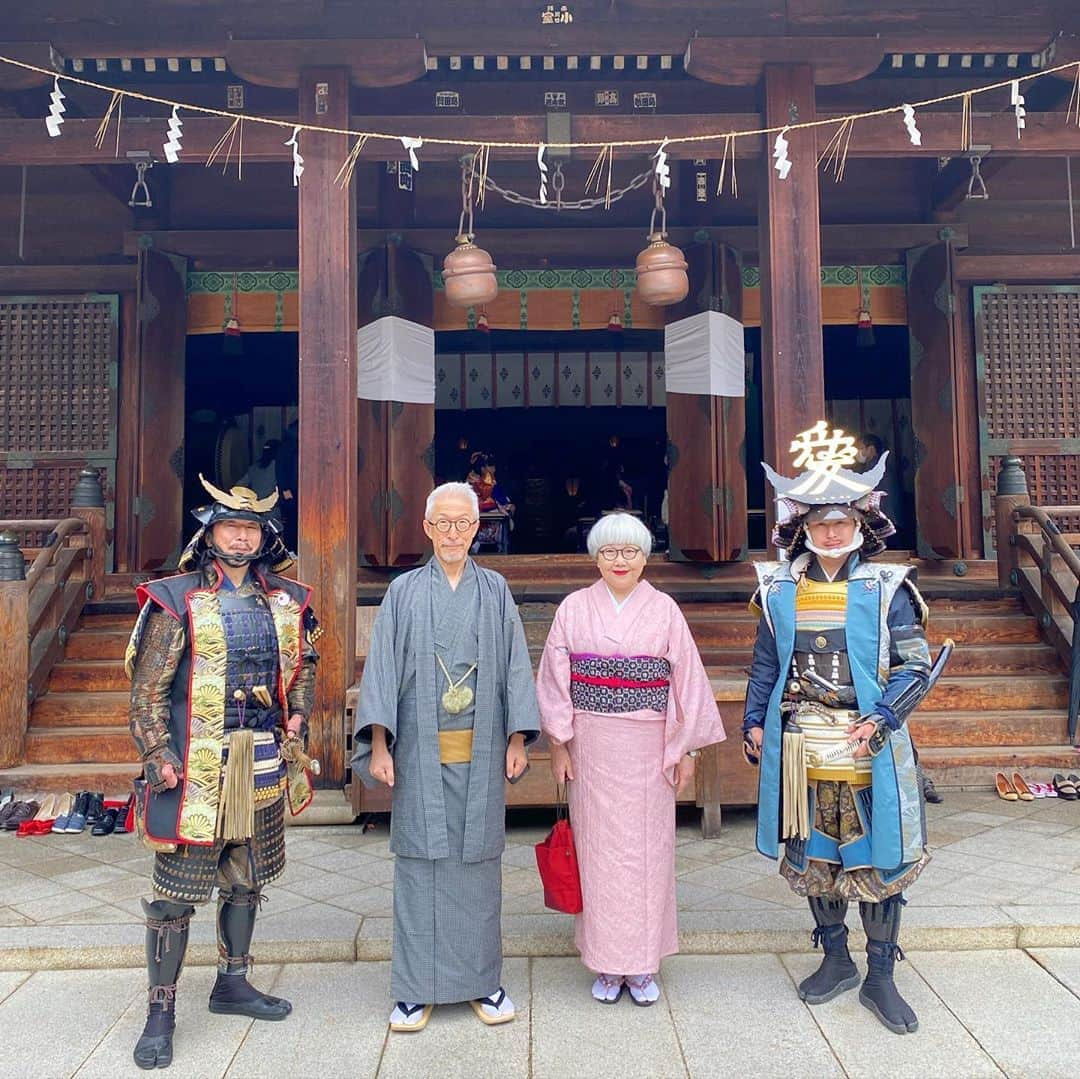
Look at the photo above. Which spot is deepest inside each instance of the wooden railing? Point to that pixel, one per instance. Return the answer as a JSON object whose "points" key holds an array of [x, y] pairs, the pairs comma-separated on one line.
{"points": [[41, 605], [1037, 557]]}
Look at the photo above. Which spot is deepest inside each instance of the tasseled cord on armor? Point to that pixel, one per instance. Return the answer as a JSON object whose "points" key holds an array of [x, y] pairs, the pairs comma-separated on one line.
{"points": [[796, 800], [236, 814]]}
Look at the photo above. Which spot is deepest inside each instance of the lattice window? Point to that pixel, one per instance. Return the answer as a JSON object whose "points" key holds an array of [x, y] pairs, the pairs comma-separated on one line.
{"points": [[1028, 342], [1031, 355], [57, 391]]}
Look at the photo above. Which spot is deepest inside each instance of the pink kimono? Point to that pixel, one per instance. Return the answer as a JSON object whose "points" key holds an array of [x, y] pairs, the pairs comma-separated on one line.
{"points": [[628, 692]]}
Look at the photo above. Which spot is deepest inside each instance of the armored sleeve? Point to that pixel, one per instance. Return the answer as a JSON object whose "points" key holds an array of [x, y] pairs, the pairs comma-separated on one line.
{"points": [[302, 692], [764, 672], [909, 659], [160, 651]]}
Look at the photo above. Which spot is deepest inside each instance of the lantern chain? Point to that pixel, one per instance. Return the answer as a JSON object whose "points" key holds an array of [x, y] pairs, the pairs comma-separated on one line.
{"points": [[517, 199]]}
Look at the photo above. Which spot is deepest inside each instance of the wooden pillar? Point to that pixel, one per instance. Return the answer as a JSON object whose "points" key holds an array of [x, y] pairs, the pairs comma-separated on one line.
{"points": [[327, 485], [707, 434], [793, 375], [14, 631]]}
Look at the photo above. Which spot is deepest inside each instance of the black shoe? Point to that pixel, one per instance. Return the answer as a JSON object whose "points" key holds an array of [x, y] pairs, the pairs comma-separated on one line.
{"points": [[154, 1049], [95, 807], [879, 992], [837, 972], [233, 994], [123, 815], [107, 824], [930, 791]]}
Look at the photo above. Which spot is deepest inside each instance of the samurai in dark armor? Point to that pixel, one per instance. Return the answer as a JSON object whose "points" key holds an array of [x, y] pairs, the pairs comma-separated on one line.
{"points": [[840, 661], [222, 668]]}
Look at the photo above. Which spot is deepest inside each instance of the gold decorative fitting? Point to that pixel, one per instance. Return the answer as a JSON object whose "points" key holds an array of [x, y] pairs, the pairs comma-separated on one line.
{"points": [[240, 498]]}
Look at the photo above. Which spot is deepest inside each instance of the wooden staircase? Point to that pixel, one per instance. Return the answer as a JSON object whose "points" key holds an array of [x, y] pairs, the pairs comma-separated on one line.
{"points": [[1001, 705]]}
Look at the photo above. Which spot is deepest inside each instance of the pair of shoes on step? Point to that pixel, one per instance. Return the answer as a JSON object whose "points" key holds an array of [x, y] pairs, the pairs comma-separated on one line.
{"points": [[86, 807], [114, 818], [643, 988], [492, 1011], [1067, 787], [17, 812], [1013, 790]]}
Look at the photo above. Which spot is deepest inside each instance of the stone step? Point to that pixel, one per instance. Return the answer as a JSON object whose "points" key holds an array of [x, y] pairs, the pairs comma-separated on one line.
{"points": [[973, 767], [1022, 727], [80, 745]]}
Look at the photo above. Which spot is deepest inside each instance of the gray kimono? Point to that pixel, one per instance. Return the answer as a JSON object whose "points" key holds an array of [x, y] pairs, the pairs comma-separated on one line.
{"points": [[447, 826]]}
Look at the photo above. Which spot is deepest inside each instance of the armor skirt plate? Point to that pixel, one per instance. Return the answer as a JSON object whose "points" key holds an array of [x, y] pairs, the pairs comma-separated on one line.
{"points": [[191, 873]]}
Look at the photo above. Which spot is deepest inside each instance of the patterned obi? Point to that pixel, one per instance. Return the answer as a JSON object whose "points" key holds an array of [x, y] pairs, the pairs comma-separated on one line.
{"points": [[613, 684]]}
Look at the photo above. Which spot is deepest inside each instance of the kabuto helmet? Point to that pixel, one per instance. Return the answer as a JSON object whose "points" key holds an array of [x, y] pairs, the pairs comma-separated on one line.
{"points": [[236, 504], [828, 490]]}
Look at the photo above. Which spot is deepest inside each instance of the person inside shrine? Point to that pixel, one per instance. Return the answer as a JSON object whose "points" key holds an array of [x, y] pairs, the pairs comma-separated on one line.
{"points": [[493, 500]]}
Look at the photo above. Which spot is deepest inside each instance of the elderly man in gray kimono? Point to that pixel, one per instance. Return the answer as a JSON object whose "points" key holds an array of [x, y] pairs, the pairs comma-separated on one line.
{"points": [[447, 706]]}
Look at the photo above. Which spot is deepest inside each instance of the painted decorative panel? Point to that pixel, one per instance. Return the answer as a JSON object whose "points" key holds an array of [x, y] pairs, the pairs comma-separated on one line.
{"points": [[510, 380], [572, 371], [541, 384], [448, 380], [478, 384]]}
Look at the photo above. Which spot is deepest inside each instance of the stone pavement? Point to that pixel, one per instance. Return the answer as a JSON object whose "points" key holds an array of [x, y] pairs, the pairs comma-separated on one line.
{"points": [[992, 935], [982, 1013], [1003, 876]]}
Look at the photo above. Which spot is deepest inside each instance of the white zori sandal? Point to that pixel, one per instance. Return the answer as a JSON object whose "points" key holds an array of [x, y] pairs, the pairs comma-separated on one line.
{"points": [[493, 1010], [643, 989], [608, 988], [410, 1017]]}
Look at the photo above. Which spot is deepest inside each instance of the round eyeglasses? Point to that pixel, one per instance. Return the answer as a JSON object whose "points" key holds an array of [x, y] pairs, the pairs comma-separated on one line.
{"points": [[609, 554], [462, 524]]}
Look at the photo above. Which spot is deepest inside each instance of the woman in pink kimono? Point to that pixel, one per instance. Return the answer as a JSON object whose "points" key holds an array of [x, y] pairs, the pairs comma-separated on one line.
{"points": [[626, 705]]}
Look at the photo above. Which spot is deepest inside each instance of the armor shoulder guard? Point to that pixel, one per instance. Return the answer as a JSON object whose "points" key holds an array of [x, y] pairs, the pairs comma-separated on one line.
{"points": [[921, 605], [169, 592]]}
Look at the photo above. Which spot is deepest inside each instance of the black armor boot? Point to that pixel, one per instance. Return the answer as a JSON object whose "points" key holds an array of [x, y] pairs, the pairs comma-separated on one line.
{"points": [[879, 993], [166, 941], [232, 993], [837, 972]]}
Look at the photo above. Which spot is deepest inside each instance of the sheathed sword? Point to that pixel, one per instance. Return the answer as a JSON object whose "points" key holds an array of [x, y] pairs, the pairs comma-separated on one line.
{"points": [[907, 700]]}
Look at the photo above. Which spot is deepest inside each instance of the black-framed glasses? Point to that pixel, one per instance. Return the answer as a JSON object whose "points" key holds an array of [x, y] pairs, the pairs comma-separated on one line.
{"points": [[462, 524], [609, 554]]}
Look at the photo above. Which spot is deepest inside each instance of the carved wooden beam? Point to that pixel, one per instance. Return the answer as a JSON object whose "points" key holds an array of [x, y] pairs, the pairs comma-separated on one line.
{"points": [[369, 62], [740, 61], [38, 53]]}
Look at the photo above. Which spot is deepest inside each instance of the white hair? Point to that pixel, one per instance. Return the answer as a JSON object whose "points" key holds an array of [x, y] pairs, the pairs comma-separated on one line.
{"points": [[619, 530], [452, 490]]}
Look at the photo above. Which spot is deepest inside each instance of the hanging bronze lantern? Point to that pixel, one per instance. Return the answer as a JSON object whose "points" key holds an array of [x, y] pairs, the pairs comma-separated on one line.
{"points": [[468, 272], [661, 268]]}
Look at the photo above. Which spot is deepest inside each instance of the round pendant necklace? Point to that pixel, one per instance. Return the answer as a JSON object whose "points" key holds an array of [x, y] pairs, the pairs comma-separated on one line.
{"points": [[457, 696]]}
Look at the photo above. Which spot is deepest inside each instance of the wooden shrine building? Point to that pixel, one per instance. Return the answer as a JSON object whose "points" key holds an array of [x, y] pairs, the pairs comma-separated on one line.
{"points": [[916, 278]]}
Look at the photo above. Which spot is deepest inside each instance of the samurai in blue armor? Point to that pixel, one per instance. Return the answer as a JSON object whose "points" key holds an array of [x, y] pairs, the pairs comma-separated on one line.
{"points": [[840, 661]]}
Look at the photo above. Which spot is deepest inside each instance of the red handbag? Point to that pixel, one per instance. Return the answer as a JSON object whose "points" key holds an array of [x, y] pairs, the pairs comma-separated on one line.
{"points": [[556, 859]]}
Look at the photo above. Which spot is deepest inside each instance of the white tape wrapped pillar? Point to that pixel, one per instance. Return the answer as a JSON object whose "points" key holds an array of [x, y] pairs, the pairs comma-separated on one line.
{"points": [[395, 361], [705, 353]]}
